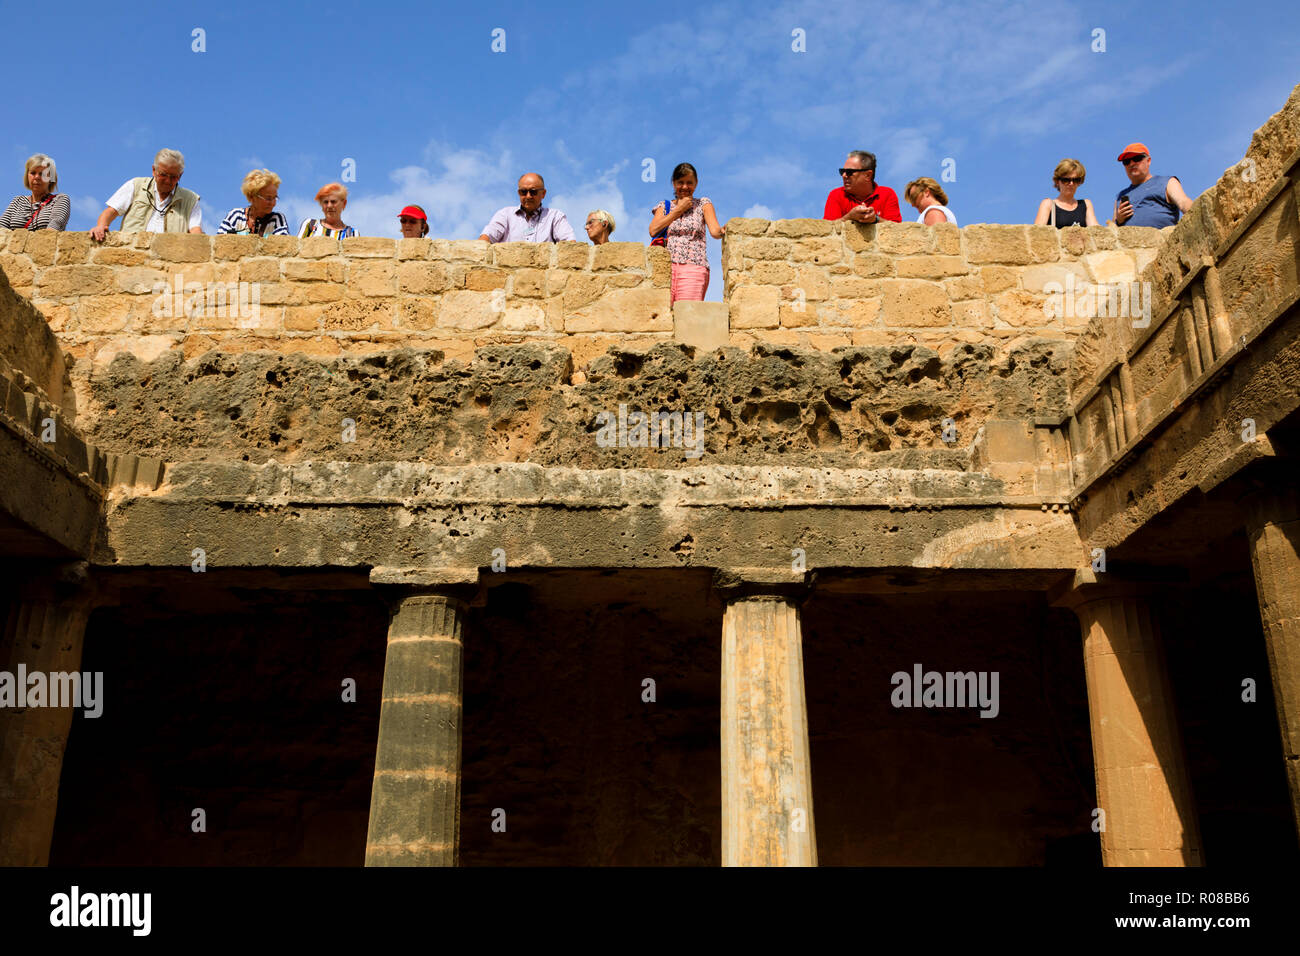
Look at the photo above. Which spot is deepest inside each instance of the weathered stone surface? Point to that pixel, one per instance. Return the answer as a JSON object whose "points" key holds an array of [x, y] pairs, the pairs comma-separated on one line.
{"points": [[910, 302], [701, 325], [829, 407]]}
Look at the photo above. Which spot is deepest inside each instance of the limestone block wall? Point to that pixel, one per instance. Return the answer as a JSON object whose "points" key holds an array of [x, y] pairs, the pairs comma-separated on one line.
{"points": [[804, 282], [323, 297], [826, 284], [28, 347]]}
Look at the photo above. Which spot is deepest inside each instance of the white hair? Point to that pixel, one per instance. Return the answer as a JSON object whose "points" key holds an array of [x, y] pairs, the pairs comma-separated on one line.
{"points": [[51, 174], [169, 157]]}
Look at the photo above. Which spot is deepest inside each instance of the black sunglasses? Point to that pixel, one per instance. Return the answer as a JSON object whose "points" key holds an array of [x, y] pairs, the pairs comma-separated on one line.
{"points": [[845, 172], [1133, 159], [529, 192], [1071, 179]]}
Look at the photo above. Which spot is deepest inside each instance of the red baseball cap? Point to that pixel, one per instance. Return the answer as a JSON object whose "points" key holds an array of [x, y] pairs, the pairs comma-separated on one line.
{"points": [[1133, 149], [415, 212]]}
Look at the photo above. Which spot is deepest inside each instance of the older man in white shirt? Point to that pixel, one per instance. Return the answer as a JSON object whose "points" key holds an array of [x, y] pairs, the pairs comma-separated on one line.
{"points": [[530, 221], [154, 203]]}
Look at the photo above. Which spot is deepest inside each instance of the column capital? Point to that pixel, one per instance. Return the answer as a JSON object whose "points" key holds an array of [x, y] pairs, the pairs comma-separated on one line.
{"points": [[1273, 502], [1087, 585], [738, 584], [400, 583], [69, 582]]}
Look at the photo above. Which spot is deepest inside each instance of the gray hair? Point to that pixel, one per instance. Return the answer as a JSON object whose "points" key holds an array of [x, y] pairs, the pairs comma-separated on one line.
{"points": [[604, 217], [51, 174], [169, 157], [868, 160]]}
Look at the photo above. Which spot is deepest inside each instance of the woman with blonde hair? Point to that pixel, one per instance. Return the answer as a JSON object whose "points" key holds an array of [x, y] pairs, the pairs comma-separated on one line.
{"points": [[45, 208], [262, 189], [600, 226], [333, 199], [1065, 209], [930, 200]]}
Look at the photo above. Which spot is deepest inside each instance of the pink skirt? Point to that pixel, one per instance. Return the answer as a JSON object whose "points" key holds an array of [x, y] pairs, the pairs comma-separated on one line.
{"points": [[689, 282]]}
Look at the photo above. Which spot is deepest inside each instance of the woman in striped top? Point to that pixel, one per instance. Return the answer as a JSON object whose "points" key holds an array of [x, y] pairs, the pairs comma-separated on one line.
{"points": [[262, 189], [333, 199], [44, 208]]}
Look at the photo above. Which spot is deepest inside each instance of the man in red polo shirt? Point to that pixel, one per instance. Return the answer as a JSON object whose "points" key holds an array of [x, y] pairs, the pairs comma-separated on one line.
{"points": [[860, 199]]}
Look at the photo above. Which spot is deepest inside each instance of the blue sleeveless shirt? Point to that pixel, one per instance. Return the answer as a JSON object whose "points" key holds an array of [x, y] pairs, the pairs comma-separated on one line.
{"points": [[1150, 207]]}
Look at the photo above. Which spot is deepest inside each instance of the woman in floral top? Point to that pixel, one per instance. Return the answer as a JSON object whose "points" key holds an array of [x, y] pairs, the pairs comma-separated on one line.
{"points": [[686, 220]]}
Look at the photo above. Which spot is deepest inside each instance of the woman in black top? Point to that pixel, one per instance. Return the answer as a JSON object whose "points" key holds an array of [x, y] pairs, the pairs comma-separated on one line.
{"points": [[1065, 210], [45, 208]]}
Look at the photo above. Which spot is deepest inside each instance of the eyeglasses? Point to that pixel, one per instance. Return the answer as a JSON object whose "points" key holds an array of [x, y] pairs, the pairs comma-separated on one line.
{"points": [[268, 198], [408, 221], [529, 192], [1133, 159], [850, 172], [1071, 179]]}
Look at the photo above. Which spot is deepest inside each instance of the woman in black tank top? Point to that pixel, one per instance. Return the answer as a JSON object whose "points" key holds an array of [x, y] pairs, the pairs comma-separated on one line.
{"points": [[1067, 177]]}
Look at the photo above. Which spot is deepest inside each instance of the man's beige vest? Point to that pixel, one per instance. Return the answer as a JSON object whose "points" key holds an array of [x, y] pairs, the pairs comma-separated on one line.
{"points": [[145, 199]]}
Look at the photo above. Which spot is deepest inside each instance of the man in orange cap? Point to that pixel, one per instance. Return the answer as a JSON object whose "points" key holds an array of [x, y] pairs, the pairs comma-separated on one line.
{"points": [[1147, 200]]}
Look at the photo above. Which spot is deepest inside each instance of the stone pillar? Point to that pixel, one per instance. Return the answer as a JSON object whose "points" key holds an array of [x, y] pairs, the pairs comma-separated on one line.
{"points": [[767, 812], [415, 800], [43, 631], [1273, 526], [1137, 750]]}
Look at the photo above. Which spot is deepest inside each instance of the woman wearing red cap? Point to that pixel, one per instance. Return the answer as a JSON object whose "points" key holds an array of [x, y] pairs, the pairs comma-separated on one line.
{"points": [[413, 222]]}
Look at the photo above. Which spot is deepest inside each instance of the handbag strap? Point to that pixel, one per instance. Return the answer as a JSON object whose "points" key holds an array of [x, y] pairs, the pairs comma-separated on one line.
{"points": [[37, 211]]}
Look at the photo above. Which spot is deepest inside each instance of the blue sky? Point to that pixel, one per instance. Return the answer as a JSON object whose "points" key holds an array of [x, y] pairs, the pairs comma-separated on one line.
{"points": [[585, 93]]}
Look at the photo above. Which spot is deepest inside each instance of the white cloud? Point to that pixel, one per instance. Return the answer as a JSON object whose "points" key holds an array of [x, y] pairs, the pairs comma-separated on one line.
{"points": [[460, 194], [601, 192], [758, 211], [88, 206]]}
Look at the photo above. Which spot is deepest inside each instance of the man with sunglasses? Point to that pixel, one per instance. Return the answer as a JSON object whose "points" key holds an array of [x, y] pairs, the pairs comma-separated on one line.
{"points": [[860, 199], [530, 221], [1148, 200]]}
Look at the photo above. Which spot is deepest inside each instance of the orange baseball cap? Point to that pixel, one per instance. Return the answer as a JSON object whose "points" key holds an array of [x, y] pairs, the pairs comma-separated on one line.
{"points": [[1133, 149]]}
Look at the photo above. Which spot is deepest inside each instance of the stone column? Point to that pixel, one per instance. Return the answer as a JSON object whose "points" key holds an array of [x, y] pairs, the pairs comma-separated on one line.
{"points": [[415, 800], [1273, 526], [43, 631], [767, 812], [1137, 750]]}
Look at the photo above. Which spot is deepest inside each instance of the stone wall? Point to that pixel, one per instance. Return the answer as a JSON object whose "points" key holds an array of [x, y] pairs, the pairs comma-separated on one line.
{"points": [[805, 281], [323, 297], [827, 284]]}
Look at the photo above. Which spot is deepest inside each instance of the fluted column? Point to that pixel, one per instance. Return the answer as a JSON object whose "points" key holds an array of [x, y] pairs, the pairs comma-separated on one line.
{"points": [[767, 811], [1273, 527], [43, 631], [1142, 782], [415, 800]]}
